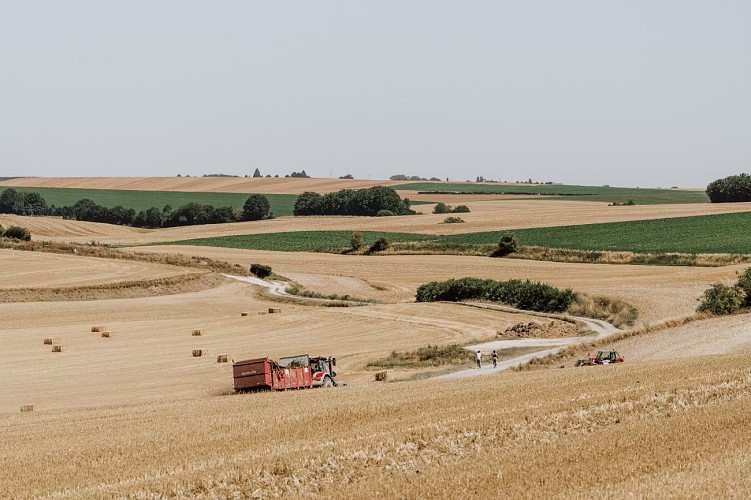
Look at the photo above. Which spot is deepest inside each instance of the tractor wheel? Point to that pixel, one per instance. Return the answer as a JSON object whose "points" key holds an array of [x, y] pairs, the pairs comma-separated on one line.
{"points": [[326, 383]]}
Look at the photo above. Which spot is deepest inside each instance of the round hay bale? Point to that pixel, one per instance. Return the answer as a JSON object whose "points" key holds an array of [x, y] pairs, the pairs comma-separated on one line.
{"points": [[244, 313], [49, 341], [197, 353], [97, 329], [197, 333], [274, 310], [222, 358], [25, 408], [57, 348], [380, 376], [107, 335]]}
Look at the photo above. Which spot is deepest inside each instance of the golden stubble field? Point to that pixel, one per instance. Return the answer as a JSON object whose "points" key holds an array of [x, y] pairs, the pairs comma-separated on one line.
{"points": [[136, 415], [677, 429]]}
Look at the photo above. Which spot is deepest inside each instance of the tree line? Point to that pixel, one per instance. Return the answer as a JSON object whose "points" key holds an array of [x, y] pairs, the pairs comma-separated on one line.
{"points": [[256, 207], [372, 201], [734, 188]]}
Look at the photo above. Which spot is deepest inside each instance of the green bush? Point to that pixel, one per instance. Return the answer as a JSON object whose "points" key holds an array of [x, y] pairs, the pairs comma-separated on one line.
{"points": [[17, 233], [744, 285], [2, 231], [506, 246], [461, 209], [356, 240], [379, 245], [260, 270], [721, 299], [442, 208], [533, 296], [385, 213], [452, 220]]}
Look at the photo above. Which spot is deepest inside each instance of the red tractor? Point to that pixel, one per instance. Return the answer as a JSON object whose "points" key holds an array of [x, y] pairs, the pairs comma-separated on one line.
{"points": [[602, 358]]}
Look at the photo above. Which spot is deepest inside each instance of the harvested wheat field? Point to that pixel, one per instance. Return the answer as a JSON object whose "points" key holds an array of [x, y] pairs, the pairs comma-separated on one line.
{"points": [[150, 358], [46, 270], [264, 185], [658, 292], [676, 429]]}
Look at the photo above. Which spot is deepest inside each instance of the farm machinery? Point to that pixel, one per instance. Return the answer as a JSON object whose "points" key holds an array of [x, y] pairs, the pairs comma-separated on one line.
{"points": [[293, 372], [602, 358]]}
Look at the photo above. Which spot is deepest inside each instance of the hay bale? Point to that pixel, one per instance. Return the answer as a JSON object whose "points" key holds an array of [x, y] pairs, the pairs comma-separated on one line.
{"points": [[244, 313], [49, 341], [197, 353], [107, 335], [97, 329], [25, 408], [274, 310], [197, 333], [380, 376], [57, 348], [222, 358]]}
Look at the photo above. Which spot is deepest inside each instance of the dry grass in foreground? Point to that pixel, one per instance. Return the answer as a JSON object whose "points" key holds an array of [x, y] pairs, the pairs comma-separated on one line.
{"points": [[675, 429]]}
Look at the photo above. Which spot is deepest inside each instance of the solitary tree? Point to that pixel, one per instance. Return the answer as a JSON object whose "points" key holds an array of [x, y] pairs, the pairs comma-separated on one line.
{"points": [[257, 173], [256, 207]]}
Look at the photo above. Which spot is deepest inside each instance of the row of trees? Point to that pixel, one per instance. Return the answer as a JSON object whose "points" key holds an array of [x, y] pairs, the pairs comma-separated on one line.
{"points": [[734, 188], [256, 207], [376, 200]]}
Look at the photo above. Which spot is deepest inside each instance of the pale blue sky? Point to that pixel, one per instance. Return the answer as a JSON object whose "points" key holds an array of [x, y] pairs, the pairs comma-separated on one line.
{"points": [[633, 93]]}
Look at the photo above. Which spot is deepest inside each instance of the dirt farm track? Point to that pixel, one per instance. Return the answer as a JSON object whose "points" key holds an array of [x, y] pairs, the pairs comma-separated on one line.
{"points": [[136, 415]]}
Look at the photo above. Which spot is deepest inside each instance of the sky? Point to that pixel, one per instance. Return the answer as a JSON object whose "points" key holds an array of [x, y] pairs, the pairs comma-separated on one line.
{"points": [[640, 93]]}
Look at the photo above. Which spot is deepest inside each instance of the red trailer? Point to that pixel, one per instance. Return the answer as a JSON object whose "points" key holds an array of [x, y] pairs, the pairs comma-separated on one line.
{"points": [[295, 372], [266, 374]]}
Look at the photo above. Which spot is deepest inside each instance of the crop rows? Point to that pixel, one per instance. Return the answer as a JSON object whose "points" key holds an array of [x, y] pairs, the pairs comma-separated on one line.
{"points": [[640, 196], [300, 241], [706, 234]]}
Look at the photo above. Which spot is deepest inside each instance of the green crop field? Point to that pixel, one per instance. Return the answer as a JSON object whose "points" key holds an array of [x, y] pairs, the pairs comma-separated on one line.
{"points": [[281, 204], [564, 192], [300, 241], [723, 233]]}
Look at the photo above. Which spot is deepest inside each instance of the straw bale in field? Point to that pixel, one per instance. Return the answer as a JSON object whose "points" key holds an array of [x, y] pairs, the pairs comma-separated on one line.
{"points": [[274, 310], [57, 348], [197, 333], [50, 341], [25, 408], [222, 358], [97, 329], [244, 313], [198, 353], [380, 376], [108, 334]]}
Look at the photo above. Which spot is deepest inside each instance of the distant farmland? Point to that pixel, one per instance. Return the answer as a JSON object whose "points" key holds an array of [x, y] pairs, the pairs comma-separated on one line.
{"points": [[564, 192], [722, 233], [281, 204]]}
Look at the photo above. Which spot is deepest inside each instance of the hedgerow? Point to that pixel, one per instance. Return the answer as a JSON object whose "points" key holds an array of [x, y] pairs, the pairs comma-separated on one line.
{"points": [[533, 296]]}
